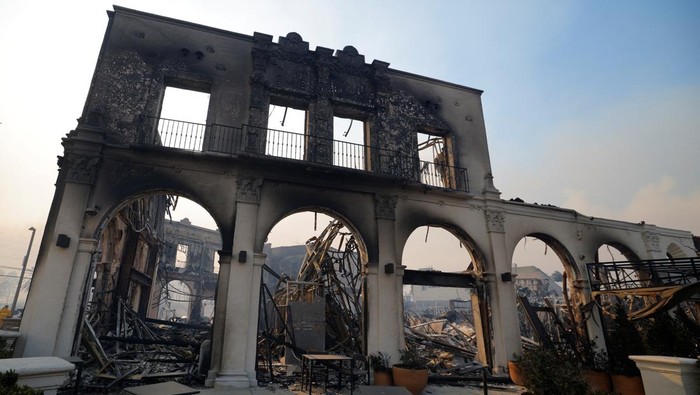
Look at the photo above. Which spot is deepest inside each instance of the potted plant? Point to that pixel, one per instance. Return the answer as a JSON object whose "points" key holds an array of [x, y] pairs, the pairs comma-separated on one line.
{"points": [[412, 371], [673, 344], [381, 365], [514, 371], [623, 340]]}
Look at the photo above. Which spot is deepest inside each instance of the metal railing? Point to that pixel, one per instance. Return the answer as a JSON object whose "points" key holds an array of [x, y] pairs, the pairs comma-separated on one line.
{"points": [[282, 144], [180, 134], [613, 276]]}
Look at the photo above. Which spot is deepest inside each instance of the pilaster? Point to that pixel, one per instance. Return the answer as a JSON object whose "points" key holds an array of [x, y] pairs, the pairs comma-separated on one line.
{"points": [[72, 313], [219, 327], [501, 293], [233, 371], [64, 258], [385, 283]]}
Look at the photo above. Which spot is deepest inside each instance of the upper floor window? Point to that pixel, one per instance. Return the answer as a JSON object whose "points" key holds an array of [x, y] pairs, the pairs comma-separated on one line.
{"points": [[183, 116], [181, 256], [349, 143], [434, 156], [286, 134]]}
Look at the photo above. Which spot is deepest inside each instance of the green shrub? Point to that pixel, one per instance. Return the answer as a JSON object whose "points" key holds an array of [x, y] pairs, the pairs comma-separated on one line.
{"points": [[623, 339], [672, 335], [380, 362], [9, 386], [411, 358], [548, 372]]}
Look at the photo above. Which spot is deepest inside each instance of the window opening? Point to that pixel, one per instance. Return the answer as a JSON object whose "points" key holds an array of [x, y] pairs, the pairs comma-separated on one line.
{"points": [[349, 147], [183, 118], [181, 256], [286, 129], [217, 258], [177, 296], [434, 161]]}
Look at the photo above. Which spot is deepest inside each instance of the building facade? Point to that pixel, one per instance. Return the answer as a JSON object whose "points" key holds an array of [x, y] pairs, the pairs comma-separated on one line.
{"points": [[421, 158]]}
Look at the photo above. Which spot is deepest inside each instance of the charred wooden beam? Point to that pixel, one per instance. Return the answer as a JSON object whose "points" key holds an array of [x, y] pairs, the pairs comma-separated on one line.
{"points": [[438, 279]]}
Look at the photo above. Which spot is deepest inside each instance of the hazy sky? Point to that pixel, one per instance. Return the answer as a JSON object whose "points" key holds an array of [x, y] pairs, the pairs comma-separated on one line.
{"points": [[590, 105]]}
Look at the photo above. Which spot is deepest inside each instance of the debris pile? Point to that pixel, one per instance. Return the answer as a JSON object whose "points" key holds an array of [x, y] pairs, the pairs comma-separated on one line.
{"points": [[319, 310], [449, 342], [139, 350]]}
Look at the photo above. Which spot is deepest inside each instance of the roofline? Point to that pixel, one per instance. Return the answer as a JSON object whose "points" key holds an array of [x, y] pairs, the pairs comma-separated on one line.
{"points": [[241, 36], [435, 81], [198, 26]]}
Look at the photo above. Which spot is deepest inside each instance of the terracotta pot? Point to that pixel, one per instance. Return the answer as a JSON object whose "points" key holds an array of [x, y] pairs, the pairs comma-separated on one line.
{"points": [[414, 380], [383, 377], [516, 374], [598, 380], [628, 385]]}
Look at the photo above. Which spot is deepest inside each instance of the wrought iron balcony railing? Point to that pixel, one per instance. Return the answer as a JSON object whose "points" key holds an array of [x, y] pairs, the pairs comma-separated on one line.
{"points": [[614, 276], [295, 146]]}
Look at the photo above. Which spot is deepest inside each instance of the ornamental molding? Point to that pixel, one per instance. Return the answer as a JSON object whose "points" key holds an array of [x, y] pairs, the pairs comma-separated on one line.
{"points": [[385, 206], [651, 241], [80, 169], [248, 189], [495, 220]]}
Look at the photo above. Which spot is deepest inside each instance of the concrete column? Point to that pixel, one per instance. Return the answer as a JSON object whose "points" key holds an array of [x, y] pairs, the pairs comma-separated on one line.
{"points": [[219, 327], [252, 346], [591, 317], [501, 295], [233, 369], [53, 305], [59, 278], [70, 319], [384, 290]]}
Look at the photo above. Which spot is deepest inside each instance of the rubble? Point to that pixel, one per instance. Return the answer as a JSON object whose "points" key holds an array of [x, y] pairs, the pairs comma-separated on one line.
{"points": [[320, 310], [137, 351], [331, 273]]}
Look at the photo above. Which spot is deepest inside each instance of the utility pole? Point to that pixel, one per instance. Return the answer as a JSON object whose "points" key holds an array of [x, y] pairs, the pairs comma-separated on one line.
{"points": [[24, 267]]}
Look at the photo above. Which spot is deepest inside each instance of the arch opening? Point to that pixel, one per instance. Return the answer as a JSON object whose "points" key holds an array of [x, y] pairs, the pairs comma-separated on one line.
{"points": [[312, 292], [155, 270], [642, 288], [444, 298], [549, 303]]}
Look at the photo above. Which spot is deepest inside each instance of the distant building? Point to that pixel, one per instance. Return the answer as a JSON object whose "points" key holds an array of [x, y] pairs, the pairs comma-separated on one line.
{"points": [[422, 298], [537, 281]]}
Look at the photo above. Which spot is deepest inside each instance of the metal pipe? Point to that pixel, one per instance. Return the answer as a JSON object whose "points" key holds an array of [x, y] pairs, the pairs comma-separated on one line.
{"points": [[24, 267]]}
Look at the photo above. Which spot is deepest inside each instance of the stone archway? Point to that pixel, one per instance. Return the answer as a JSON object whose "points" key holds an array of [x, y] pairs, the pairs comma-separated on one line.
{"points": [[456, 291], [540, 284], [312, 293]]}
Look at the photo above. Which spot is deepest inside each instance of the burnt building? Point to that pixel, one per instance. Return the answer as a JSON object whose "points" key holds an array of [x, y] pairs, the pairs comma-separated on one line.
{"points": [[417, 155]]}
